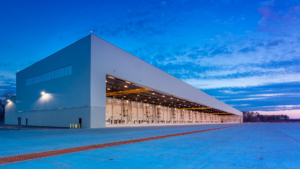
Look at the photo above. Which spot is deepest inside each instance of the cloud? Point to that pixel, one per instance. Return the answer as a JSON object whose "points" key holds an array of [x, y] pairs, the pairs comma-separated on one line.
{"points": [[269, 94], [232, 92], [7, 83], [284, 106], [143, 20], [265, 97], [276, 42], [243, 81], [220, 50], [275, 107], [279, 17], [239, 105], [243, 99], [294, 114], [267, 12], [247, 50]]}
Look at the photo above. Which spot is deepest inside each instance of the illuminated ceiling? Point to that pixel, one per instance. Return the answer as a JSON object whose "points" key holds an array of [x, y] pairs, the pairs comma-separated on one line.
{"points": [[122, 89]]}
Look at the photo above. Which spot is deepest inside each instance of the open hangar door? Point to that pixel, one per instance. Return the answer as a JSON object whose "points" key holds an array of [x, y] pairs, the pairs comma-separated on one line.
{"points": [[128, 103]]}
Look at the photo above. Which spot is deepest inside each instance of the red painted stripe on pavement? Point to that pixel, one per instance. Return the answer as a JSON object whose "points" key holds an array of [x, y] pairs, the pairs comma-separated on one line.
{"points": [[18, 158]]}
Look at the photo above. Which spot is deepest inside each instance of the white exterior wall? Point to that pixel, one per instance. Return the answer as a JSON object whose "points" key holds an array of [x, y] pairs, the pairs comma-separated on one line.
{"points": [[107, 59], [68, 98]]}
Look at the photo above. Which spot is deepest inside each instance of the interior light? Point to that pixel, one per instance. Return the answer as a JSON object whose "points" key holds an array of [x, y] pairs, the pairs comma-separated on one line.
{"points": [[153, 93], [149, 97], [145, 100], [108, 88], [125, 86], [163, 95], [43, 93], [138, 95], [157, 99], [111, 77], [171, 98], [128, 82]]}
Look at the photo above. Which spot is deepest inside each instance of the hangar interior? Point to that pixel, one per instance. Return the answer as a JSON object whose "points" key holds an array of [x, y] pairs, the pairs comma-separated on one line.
{"points": [[129, 103]]}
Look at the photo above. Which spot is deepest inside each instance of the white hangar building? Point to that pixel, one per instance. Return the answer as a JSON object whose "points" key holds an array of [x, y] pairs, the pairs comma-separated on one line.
{"points": [[94, 84]]}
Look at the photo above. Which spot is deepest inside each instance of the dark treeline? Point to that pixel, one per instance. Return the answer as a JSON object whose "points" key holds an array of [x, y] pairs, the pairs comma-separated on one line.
{"points": [[256, 117], [2, 104]]}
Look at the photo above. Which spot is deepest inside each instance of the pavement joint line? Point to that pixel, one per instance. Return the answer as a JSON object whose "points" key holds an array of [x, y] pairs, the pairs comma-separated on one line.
{"points": [[287, 135], [205, 148], [25, 157]]}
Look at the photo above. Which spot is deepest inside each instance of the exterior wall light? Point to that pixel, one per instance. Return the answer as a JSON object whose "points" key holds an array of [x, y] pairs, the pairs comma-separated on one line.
{"points": [[43, 93]]}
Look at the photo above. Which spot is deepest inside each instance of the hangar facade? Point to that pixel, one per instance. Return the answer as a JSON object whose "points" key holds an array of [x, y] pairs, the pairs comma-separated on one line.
{"points": [[94, 84]]}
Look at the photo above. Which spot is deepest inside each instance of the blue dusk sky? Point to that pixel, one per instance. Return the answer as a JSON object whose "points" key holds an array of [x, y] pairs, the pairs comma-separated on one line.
{"points": [[244, 53]]}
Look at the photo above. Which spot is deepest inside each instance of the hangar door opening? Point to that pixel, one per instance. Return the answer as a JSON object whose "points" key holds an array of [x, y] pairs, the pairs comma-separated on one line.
{"points": [[130, 103]]}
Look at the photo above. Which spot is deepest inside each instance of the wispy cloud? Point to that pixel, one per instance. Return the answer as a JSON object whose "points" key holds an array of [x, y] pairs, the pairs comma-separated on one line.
{"points": [[294, 114], [284, 106], [277, 107], [7, 83], [239, 105], [279, 17], [232, 92], [244, 81], [243, 99], [269, 95]]}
